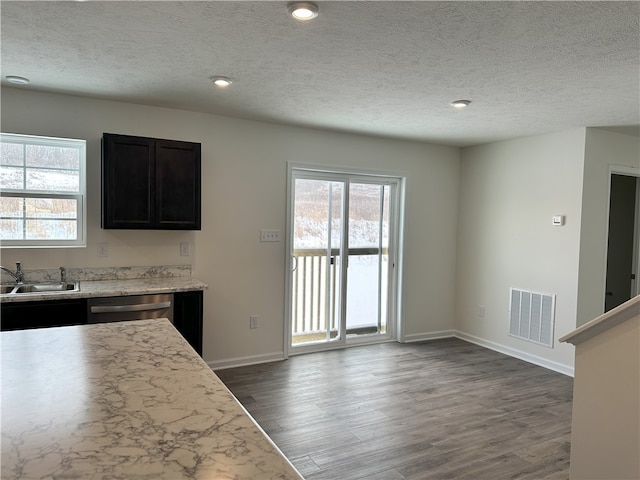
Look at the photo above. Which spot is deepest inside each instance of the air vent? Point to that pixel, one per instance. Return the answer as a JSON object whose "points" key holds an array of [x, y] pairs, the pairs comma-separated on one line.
{"points": [[531, 316]]}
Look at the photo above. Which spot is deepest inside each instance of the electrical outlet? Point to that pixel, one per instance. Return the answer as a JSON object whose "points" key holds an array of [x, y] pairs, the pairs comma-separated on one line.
{"points": [[481, 310], [185, 249], [103, 249], [269, 235], [253, 321]]}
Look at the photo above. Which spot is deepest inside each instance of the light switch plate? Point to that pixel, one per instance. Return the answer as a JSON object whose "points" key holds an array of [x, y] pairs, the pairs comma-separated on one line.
{"points": [[269, 235]]}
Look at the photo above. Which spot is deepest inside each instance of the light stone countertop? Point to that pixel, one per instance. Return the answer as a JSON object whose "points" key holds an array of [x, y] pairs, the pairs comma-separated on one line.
{"points": [[126, 400], [115, 288]]}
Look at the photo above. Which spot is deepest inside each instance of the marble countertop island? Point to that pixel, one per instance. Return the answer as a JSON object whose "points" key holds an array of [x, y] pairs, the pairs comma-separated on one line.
{"points": [[127, 400]]}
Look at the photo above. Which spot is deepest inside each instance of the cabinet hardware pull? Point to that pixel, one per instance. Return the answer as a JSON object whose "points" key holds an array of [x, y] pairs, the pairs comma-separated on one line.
{"points": [[129, 308]]}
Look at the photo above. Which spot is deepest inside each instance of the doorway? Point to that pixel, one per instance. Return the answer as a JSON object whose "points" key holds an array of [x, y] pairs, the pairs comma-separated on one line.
{"points": [[343, 243], [623, 240]]}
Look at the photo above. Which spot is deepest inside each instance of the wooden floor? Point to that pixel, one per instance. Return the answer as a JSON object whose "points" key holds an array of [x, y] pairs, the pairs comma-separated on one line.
{"points": [[444, 409]]}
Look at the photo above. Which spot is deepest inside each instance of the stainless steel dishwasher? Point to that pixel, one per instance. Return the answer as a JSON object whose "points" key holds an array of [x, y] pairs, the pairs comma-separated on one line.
{"points": [[133, 307]]}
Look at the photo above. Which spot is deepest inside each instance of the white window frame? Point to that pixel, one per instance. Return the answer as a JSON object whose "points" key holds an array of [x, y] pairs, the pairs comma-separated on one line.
{"points": [[80, 196]]}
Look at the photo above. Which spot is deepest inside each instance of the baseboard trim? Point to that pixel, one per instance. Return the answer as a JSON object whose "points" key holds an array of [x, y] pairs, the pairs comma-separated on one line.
{"points": [[512, 352], [244, 361], [415, 337], [420, 337]]}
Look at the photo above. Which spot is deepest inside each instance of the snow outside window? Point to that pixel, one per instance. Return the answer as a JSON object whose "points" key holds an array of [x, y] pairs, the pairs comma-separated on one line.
{"points": [[42, 191]]}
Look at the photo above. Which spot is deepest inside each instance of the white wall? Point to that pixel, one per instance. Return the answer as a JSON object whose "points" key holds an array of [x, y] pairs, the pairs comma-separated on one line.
{"points": [[605, 427], [603, 150], [509, 192], [244, 190]]}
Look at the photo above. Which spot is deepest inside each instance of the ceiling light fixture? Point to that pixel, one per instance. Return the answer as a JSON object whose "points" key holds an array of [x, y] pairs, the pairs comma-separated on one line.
{"points": [[460, 103], [222, 82], [303, 11], [17, 80]]}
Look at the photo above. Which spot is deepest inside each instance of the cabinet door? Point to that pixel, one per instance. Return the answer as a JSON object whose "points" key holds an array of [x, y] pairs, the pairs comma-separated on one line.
{"points": [[187, 317], [128, 172], [40, 314], [177, 185]]}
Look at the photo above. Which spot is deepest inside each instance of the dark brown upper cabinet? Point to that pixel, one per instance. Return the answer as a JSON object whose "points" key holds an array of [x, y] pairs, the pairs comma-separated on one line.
{"points": [[150, 184]]}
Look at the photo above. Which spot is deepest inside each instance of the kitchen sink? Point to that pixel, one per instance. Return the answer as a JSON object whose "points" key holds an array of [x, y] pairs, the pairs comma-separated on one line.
{"points": [[33, 288]]}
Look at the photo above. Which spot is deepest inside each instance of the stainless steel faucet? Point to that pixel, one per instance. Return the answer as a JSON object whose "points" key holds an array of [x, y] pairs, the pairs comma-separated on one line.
{"points": [[63, 275], [18, 276]]}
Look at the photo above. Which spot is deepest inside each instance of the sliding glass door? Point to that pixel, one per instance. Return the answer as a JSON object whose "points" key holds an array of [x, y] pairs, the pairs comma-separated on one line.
{"points": [[316, 283], [343, 242], [367, 292]]}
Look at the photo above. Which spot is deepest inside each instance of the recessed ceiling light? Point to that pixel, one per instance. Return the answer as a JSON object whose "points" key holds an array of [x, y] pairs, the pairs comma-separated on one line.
{"points": [[303, 10], [17, 80], [222, 82], [460, 103]]}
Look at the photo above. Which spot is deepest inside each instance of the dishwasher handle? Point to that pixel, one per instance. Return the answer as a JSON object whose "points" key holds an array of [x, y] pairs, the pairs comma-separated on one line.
{"points": [[141, 307]]}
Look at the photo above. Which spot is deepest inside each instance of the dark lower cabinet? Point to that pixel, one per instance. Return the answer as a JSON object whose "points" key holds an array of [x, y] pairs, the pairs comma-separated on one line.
{"points": [[42, 314], [187, 317]]}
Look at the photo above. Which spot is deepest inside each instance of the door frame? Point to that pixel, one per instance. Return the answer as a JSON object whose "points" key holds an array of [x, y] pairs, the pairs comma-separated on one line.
{"points": [[629, 172], [394, 322]]}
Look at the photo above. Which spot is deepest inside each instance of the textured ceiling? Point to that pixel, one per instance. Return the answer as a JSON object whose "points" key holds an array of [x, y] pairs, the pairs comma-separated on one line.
{"points": [[381, 68]]}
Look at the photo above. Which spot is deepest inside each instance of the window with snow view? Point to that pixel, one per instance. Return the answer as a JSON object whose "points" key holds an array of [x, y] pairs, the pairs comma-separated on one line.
{"points": [[42, 191]]}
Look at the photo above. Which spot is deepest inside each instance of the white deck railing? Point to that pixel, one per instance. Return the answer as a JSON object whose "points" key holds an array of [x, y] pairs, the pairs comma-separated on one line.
{"points": [[315, 283]]}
